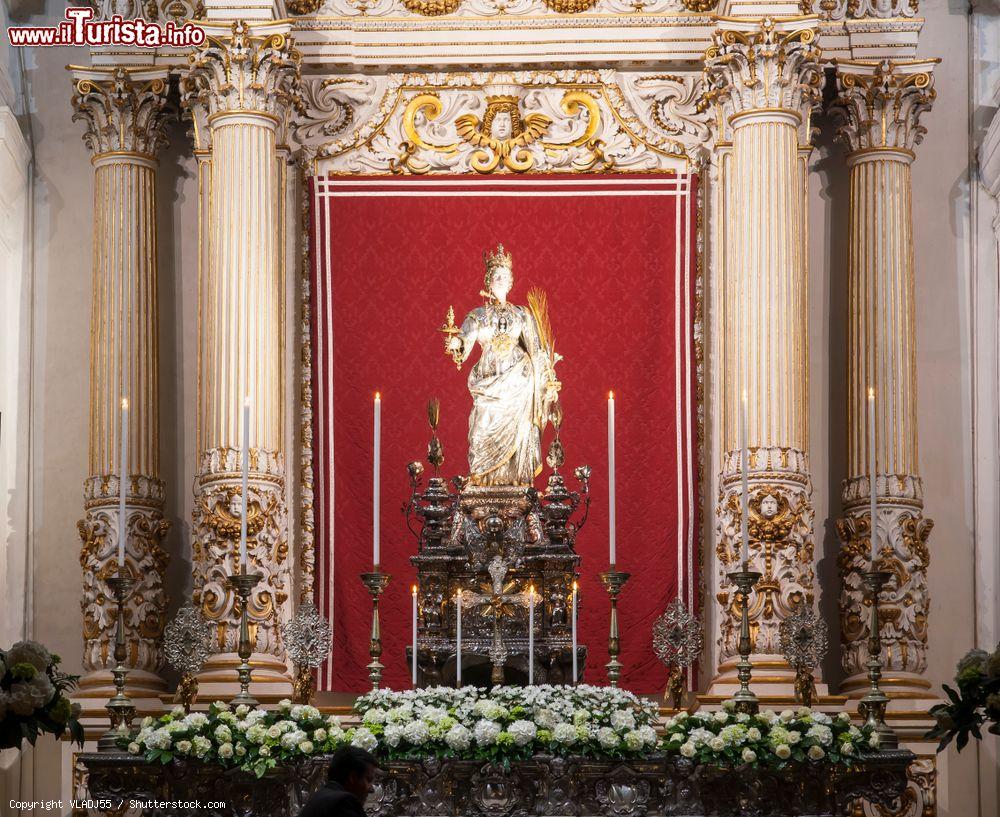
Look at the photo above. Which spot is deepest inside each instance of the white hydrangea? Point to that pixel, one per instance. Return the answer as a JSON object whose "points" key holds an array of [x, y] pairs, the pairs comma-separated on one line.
{"points": [[623, 720], [546, 718], [607, 737], [523, 732], [721, 716], [223, 734], [364, 739], [284, 705], [374, 716], [29, 652], [648, 735], [633, 740], [822, 734], [486, 732], [564, 733], [458, 738], [21, 701], [417, 732], [393, 734], [202, 745], [256, 733], [875, 740], [844, 717], [196, 719]]}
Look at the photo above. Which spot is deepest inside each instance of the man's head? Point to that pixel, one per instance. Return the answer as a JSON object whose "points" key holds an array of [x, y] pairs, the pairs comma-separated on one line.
{"points": [[354, 769]]}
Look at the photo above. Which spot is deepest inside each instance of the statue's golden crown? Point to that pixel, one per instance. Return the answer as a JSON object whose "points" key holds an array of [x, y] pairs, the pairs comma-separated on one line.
{"points": [[498, 258]]}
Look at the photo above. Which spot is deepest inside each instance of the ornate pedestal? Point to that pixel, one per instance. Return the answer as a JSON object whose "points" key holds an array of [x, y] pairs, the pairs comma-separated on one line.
{"points": [[543, 786], [494, 544]]}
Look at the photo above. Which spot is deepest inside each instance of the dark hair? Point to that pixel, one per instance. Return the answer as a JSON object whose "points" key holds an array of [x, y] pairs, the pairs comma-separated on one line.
{"points": [[350, 760]]}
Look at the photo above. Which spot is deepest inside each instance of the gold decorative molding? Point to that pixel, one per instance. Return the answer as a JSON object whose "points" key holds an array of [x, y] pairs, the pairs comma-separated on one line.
{"points": [[551, 121], [840, 10], [124, 109], [879, 104]]}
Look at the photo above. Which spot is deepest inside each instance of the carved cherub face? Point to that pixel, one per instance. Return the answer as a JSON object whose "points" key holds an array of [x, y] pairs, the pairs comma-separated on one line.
{"points": [[500, 283], [769, 507], [502, 126], [236, 505]]}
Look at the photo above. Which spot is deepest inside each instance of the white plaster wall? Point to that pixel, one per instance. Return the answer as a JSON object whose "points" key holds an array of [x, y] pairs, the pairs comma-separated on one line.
{"points": [[944, 248]]}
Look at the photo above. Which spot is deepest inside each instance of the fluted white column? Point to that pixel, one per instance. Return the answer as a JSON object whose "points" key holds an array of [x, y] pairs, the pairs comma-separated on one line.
{"points": [[879, 108], [763, 76], [242, 84], [123, 110]]}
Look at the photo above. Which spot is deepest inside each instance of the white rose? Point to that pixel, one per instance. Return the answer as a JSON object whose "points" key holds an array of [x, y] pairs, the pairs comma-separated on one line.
{"points": [[197, 719], [284, 705], [847, 749], [134, 748], [717, 744], [523, 732], [240, 750], [226, 750], [749, 755], [687, 749], [874, 740], [794, 737], [787, 715], [274, 731], [242, 710], [804, 712], [721, 716], [183, 747], [486, 732], [319, 735], [264, 751], [816, 753], [306, 747], [844, 717], [753, 734], [783, 751]]}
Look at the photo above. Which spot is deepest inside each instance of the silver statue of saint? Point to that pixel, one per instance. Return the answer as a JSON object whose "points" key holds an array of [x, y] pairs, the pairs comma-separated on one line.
{"points": [[513, 384]]}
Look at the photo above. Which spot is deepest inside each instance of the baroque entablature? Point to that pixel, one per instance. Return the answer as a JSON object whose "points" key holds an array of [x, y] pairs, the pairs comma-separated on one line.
{"points": [[569, 120]]}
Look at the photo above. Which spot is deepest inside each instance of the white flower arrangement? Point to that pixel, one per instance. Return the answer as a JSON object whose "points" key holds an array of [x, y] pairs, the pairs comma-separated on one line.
{"points": [[252, 740], [509, 723], [33, 696], [767, 739]]}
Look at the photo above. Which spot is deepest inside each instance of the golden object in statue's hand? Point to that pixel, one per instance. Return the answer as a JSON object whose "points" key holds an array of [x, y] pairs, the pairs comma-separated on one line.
{"points": [[450, 332]]}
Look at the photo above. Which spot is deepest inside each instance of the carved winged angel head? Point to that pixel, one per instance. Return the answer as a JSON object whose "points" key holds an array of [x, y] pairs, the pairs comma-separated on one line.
{"points": [[502, 134]]}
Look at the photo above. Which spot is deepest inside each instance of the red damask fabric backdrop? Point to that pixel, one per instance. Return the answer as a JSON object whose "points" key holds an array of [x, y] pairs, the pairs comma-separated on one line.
{"points": [[616, 256]]}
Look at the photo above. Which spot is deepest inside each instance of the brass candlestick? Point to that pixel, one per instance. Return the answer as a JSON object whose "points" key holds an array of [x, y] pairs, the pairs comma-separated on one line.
{"points": [[872, 707], [744, 699], [120, 708], [243, 584], [614, 581], [376, 582]]}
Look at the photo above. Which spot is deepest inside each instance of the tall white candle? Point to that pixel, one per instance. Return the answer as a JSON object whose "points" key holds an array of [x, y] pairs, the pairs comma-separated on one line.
{"points": [[245, 482], [611, 476], [458, 638], [744, 475], [414, 660], [376, 487], [531, 635], [872, 476], [123, 484], [573, 617]]}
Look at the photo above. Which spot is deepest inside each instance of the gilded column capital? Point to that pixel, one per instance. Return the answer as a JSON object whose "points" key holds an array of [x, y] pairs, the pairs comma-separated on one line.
{"points": [[246, 69], [879, 104], [123, 109], [767, 68]]}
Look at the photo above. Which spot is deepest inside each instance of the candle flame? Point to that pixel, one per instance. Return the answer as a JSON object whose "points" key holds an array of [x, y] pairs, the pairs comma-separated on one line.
{"points": [[413, 590], [125, 403], [871, 393], [378, 396], [611, 395], [574, 587], [531, 590], [459, 592]]}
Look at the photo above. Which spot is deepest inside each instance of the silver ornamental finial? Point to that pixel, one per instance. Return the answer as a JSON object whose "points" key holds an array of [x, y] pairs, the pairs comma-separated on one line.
{"points": [[803, 639], [677, 639], [187, 640], [307, 637]]}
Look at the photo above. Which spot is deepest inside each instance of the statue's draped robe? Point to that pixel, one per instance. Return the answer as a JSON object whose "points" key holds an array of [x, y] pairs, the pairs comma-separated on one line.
{"points": [[508, 394]]}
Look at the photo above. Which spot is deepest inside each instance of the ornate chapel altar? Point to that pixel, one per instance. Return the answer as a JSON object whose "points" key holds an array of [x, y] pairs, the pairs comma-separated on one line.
{"points": [[302, 115]]}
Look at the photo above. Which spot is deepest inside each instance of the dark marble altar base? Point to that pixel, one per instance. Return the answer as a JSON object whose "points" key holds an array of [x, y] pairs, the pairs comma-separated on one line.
{"points": [[541, 787]]}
